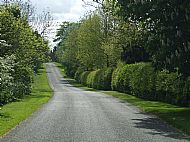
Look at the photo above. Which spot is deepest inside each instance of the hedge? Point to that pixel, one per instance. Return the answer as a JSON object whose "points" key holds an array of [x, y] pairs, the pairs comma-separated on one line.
{"points": [[83, 77], [143, 81], [99, 79]]}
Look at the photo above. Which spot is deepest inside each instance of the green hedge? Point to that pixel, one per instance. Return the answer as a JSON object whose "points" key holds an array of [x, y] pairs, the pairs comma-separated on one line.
{"points": [[77, 74], [83, 77], [143, 81], [99, 79], [171, 88], [91, 79]]}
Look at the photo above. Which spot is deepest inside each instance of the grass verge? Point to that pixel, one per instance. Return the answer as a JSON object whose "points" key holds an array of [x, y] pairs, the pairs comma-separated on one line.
{"points": [[13, 113], [178, 117]]}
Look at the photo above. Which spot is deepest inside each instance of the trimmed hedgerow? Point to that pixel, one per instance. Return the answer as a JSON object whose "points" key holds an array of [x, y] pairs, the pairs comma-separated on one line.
{"points": [[99, 79], [102, 79], [143, 81], [170, 87], [121, 78], [91, 78], [83, 77], [107, 77], [77, 74]]}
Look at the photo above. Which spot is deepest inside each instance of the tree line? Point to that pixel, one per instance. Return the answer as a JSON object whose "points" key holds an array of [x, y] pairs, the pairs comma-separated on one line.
{"points": [[122, 33], [22, 51]]}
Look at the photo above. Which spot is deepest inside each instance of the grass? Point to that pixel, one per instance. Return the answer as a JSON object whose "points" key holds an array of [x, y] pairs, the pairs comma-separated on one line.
{"points": [[176, 116], [13, 113]]}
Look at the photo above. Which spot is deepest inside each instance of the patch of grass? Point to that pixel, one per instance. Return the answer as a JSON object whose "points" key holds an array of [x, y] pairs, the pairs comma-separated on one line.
{"points": [[175, 116], [13, 113]]}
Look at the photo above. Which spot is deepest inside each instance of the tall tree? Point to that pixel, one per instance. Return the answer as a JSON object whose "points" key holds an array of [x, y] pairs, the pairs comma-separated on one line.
{"points": [[90, 36]]}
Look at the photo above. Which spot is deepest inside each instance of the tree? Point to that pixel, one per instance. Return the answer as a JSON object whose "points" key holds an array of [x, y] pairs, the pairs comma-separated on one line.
{"points": [[90, 36], [167, 23], [22, 51]]}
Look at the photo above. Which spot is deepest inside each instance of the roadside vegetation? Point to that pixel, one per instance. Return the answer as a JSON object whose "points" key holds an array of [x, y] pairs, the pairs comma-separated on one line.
{"points": [[22, 51], [13, 113]]}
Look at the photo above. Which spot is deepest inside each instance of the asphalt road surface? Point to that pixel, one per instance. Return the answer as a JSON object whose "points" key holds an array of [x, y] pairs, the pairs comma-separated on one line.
{"points": [[75, 115]]}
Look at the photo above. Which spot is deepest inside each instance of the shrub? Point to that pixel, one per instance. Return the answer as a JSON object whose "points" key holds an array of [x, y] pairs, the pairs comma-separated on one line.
{"points": [[77, 74], [6, 80], [23, 77], [107, 77], [143, 81], [102, 79], [121, 78], [115, 79], [99, 79], [83, 77], [91, 78], [170, 88]]}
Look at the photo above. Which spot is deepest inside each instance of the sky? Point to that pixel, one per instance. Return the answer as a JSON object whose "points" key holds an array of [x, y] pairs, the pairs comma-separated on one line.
{"points": [[61, 10], [67, 10]]}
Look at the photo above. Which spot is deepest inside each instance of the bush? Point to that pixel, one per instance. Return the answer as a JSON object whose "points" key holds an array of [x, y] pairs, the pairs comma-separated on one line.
{"points": [[170, 87], [23, 77], [143, 81], [107, 77], [91, 78], [77, 74], [6, 80], [99, 79], [83, 77], [121, 78]]}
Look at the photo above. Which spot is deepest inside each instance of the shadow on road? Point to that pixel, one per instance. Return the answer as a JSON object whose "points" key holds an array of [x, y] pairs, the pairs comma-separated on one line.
{"points": [[158, 128]]}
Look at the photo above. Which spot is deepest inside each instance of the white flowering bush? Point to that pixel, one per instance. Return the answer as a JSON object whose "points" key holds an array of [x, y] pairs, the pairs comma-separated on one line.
{"points": [[6, 80]]}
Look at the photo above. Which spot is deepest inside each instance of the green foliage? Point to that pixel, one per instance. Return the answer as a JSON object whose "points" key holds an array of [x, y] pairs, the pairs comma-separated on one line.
{"points": [[143, 81], [6, 86], [90, 79], [170, 88], [121, 78], [167, 25], [23, 77], [98, 79], [22, 52], [90, 53], [78, 73], [83, 77], [107, 76]]}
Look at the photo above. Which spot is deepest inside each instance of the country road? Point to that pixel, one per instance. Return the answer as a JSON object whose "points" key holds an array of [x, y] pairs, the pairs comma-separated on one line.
{"points": [[75, 115]]}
